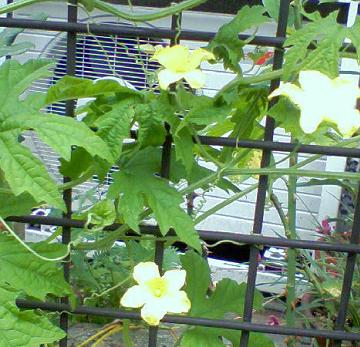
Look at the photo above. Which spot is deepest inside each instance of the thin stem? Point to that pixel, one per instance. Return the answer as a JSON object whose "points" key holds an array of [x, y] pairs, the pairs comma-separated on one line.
{"points": [[126, 336], [103, 6], [290, 172], [7, 227], [224, 203], [290, 233]]}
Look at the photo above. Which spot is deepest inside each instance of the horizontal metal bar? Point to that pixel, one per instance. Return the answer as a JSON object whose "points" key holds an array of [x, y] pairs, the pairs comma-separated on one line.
{"points": [[206, 322], [129, 31], [206, 235], [280, 146], [134, 31]]}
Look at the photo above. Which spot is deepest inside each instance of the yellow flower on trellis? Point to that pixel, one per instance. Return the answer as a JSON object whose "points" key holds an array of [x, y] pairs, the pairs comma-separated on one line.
{"points": [[321, 98], [155, 294], [179, 63]]}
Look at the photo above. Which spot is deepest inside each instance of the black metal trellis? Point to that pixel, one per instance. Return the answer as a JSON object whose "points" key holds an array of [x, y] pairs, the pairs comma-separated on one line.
{"points": [[255, 239]]}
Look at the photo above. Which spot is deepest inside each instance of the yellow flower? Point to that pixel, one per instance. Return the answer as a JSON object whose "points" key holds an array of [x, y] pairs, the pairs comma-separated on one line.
{"points": [[156, 295], [179, 63], [323, 99]]}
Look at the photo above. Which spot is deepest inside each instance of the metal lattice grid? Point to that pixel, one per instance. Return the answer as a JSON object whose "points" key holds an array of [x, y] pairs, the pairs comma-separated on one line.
{"points": [[353, 248]]}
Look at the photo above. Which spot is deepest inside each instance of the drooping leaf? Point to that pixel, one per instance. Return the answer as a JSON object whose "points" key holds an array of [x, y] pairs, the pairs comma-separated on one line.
{"points": [[226, 45], [16, 205], [273, 8], [23, 172], [20, 328], [70, 88], [137, 185], [325, 57], [228, 297], [26, 272]]}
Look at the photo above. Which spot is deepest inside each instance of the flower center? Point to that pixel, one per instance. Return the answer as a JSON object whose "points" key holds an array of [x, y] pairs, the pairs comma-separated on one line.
{"points": [[157, 286]]}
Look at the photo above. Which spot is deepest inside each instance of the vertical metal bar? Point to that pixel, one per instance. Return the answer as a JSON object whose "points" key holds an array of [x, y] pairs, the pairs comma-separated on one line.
{"points": [[67, 195], [263, 180], [165, 172], [350, 266]]}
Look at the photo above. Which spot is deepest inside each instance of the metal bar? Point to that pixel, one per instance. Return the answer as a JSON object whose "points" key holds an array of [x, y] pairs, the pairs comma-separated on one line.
{"points": [[206, 322], [132, 31], [350, 265], [165, 173], [67, 194], [280, 146], [263, 179], [206, 235]]}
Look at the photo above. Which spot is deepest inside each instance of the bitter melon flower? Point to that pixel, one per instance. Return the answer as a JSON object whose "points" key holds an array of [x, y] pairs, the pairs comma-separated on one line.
{"points": [[179, 63], [321, 98], [157, 295]]}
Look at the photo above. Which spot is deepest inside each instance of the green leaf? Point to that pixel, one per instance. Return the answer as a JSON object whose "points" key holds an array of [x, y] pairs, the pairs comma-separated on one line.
{"points": [[16, 205], [226, 45], [150, 117], [196, 268], [328, 36], [353, 33], [70, 88], [72, 133], [15, 79], [102, 213], [114, 126], [25, 173], [136, 185], [26, 272], [273, 8], [228, 297], [23, 328]]}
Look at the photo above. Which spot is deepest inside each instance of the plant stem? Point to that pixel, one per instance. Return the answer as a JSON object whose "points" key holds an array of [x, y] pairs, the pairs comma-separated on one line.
{"points": [[290, 233], [224, 203], [291, 172], [103, 6], [126, 336]]}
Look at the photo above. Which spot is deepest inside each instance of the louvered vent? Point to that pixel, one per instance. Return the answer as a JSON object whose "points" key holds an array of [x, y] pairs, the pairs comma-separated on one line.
{"points": [[96, 57]]}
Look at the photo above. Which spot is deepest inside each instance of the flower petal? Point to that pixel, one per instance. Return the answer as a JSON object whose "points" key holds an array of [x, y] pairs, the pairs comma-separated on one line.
{"points": [[145, 271], [198, 56], [293, 92], [134, 297], [153, 312], [180, 302], [195, 78], [309, 119], [172, 58], [166, 77], [175, 279]]}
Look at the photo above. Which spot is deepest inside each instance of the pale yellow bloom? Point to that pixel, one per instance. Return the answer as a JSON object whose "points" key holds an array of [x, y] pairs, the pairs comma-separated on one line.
{"points": [[179, 63], [321, 98], [155, 294]]}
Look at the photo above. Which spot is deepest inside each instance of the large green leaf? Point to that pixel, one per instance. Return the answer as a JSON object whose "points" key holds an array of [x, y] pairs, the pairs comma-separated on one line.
{"points": [[23, 172], [26, 272], [136, 186], [16, 205], [61, 133], [70, 88], [228, 297], [226, 45], [23, 328], [329, 37]]}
